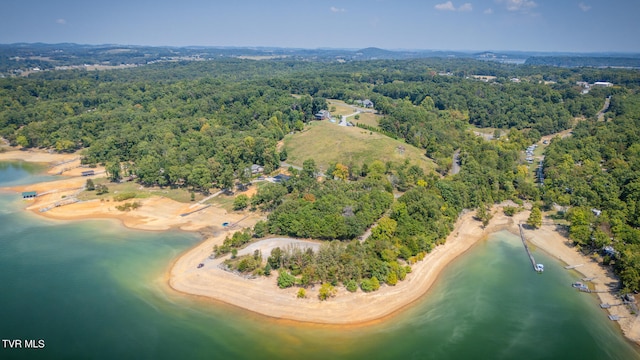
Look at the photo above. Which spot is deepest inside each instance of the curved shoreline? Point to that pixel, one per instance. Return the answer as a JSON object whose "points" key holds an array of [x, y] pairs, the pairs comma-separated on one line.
{"points": [[262, 296]]}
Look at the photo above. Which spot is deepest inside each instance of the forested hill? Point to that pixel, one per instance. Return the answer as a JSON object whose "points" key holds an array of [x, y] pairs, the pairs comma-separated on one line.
{"points": [[202, 124], [198, 123], [16, 59]]}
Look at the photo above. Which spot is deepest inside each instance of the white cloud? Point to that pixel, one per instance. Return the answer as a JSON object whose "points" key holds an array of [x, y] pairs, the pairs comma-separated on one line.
{"points": [[519, 5], [584, 7], [61, 21], [466, 7], [448, 6], [334, 9], [488, 11]]}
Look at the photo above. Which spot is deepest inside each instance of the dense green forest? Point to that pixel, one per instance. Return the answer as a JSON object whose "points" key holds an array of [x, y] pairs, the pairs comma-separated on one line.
{"points": [[200, 125], [596, 174]]}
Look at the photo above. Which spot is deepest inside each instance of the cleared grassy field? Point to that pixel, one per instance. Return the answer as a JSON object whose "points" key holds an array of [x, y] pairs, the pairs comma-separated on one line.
{"points": [[370, 119], [340, 108], [327, 142], [180, 195]]}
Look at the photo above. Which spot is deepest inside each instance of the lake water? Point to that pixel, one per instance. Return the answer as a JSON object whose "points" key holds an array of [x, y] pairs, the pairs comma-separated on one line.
{"points": [[94, 289]]}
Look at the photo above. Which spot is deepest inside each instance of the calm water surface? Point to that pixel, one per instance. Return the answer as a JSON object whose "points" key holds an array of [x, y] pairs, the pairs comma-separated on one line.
{"points": [[96, 290]]}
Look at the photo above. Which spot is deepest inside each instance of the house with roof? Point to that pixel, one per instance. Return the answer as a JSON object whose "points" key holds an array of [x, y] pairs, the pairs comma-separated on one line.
{"points": [[280, 178], [256, 169], [365, 103], [323, 115]]}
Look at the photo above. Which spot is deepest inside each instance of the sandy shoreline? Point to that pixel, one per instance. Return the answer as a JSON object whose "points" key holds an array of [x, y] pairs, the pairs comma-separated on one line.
{"points": [[262, 295], [156, 213], [552, 242]]}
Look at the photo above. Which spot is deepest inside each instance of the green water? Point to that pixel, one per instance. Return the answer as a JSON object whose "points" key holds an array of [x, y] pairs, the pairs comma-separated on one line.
{"points": [[95, 290]]}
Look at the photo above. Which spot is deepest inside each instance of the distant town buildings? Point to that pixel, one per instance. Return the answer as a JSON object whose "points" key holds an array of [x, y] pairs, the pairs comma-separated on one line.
{"points": [[485, 78], [586, 86]]}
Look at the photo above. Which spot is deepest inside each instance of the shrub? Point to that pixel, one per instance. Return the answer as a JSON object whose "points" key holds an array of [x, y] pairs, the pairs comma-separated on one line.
{"points": [[326, 291], [90, 185], [351, 286], [510, 210], [286, 280], [302, 293], [124, 196], [128, 206], [248, 264], [368, 285], [260, 229], [392, 279], [240, 202]]}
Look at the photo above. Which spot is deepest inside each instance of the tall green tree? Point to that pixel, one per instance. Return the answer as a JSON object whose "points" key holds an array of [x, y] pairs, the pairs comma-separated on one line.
{"points": [[535, 218]]}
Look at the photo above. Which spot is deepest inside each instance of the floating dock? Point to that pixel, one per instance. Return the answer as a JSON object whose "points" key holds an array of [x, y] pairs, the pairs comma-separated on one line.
{"points": [[536, 267]]}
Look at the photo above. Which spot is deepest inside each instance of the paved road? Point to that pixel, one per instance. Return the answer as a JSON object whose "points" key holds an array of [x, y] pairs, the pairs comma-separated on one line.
{"points": [[604, 109], [265, 246], [455, 165]]}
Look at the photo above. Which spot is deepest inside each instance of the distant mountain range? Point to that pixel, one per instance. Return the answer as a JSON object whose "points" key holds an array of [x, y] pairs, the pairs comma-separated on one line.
{"points": [[25, 56]]}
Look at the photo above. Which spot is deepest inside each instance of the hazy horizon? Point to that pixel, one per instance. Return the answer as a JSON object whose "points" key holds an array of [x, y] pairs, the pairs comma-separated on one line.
{"points": [[584, 26], [266, 47]]}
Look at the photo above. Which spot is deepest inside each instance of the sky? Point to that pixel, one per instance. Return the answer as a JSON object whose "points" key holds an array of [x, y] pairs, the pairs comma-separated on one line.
{"points": [[471, 25]]}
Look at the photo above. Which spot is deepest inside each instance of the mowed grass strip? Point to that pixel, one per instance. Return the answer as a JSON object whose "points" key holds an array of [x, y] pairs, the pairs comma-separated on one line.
{"points": [[178, 194], [341, 108], [326, 143], [366, 118]]}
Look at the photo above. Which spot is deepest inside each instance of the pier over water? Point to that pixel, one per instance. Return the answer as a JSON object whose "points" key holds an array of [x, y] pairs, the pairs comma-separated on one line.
{"points": [[536, 267]]}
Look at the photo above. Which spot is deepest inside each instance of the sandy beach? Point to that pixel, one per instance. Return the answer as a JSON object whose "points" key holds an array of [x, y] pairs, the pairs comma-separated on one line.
{"points": [[156, 213], [262, 295], [550, 240]]}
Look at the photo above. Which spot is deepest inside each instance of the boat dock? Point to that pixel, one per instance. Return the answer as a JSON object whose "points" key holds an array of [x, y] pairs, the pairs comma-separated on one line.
{"points": [[536, 267], [195, 211], [608, 306]]}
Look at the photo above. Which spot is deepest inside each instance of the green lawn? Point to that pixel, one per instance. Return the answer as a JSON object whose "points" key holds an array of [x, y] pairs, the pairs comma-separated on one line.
{"points": [[180, 195], [341, 108], [370, 119], [327, 142]]}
